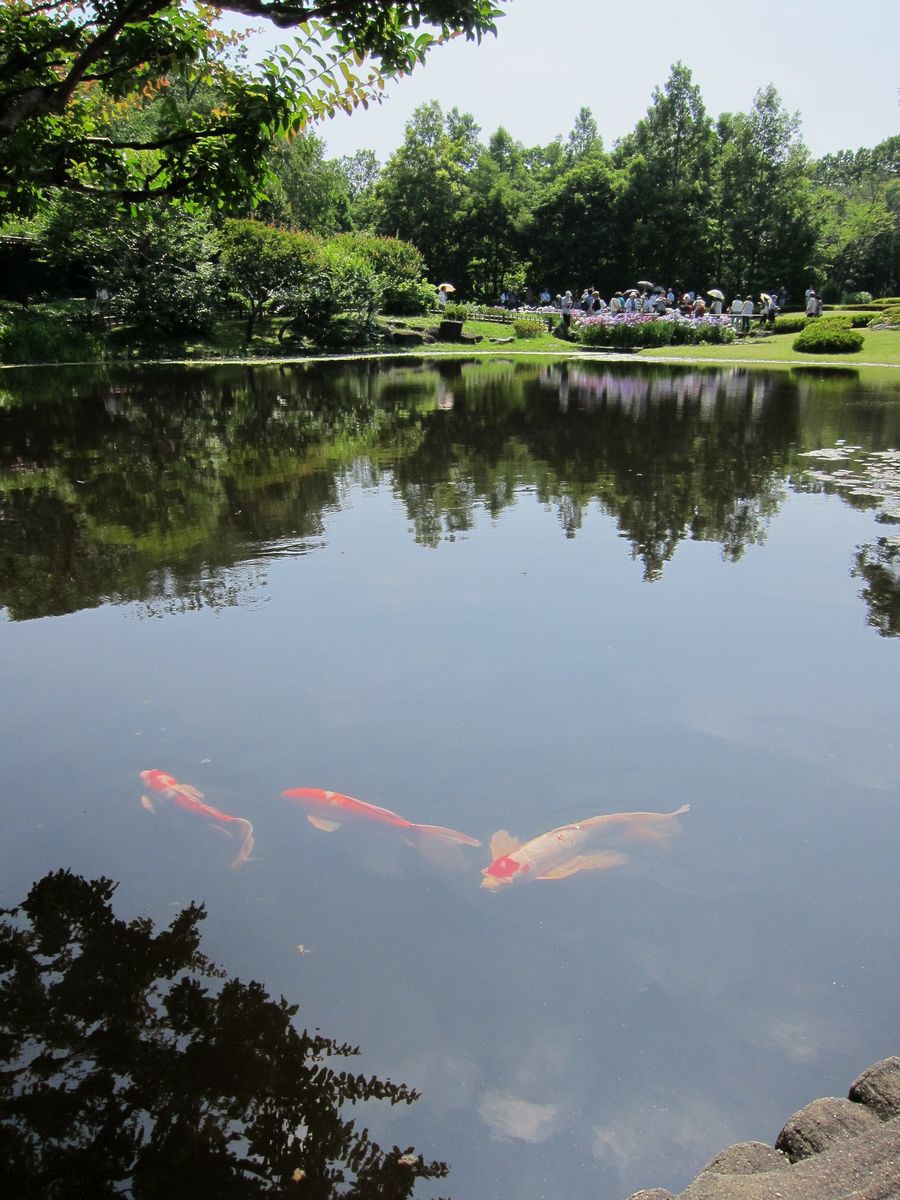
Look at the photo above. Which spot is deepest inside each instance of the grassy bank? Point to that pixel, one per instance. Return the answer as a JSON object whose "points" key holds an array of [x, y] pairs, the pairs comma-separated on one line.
{"points": [[227, 340]]}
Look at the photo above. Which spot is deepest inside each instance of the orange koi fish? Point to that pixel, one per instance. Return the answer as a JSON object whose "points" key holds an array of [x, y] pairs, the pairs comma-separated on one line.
{"points": [[330, 810], [187, 797], [559, 853]]}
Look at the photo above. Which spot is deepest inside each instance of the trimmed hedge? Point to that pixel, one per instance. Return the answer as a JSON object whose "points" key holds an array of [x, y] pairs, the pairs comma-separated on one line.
{"points": [[828, 337], [791, 323]]}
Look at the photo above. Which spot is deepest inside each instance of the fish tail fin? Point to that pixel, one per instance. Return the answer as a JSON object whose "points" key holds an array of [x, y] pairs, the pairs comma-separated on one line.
{"points": [[445, 835], [679, 811], [243, 855]]}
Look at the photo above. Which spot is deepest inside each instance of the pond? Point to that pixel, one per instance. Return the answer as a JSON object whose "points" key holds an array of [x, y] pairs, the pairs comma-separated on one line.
{"points": [[486, 595]]}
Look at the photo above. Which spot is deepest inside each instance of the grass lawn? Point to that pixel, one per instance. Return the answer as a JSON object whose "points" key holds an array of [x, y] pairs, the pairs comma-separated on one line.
{"points": [[881, 347]]}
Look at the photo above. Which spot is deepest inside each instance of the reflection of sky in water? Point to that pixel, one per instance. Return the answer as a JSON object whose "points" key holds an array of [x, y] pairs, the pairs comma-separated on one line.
{"points": [[594, 1036]]}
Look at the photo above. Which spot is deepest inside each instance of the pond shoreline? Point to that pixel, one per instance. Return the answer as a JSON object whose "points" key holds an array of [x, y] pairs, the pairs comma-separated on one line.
{"points": [[471, 352], [832, 1149]]}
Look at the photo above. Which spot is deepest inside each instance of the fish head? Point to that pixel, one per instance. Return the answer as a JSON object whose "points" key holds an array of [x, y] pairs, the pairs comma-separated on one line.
{"points": [[503, 870], [158, 780]]}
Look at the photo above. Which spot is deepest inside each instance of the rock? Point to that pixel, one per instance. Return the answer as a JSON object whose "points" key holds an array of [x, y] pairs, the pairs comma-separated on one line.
{"points": [[820, 1124], [450, 331], [879, 1088], [834, 1149], [747, 1158], [410, 337]]}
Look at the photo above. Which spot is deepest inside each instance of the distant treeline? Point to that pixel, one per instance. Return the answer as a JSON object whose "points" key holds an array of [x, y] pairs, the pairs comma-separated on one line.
{"points": [[684, 200]]}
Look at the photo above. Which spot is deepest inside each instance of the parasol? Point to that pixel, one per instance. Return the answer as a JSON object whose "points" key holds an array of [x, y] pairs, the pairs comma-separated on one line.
{"points": [[446, 287], [716, 294], [644, 283], [765, 296]]}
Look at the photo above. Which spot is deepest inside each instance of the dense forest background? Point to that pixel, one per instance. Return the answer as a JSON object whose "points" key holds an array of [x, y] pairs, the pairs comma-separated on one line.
{"points": [[686, 200]]}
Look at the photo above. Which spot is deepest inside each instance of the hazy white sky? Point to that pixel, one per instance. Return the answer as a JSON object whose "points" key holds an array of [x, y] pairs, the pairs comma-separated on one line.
{"points": [[835, 62]]}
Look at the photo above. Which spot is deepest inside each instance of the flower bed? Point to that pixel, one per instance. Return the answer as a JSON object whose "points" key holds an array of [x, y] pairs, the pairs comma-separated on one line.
{"points": [[628, 331]]}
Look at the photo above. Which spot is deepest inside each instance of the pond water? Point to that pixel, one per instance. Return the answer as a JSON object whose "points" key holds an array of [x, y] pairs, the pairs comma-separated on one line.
{"points": [[486, 595]]}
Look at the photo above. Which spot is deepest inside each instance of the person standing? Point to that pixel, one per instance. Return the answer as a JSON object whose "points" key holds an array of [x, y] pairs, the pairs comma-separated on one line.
{"points": [[565, 307], [737, 307], [812, 302], [746, 313]]}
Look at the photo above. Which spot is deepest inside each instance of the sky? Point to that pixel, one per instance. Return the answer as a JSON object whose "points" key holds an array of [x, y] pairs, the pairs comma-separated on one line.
{"points": [[835, 63]]}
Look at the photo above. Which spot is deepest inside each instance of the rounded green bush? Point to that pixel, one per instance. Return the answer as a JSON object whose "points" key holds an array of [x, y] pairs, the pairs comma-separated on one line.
{"points": [[828, 337]]}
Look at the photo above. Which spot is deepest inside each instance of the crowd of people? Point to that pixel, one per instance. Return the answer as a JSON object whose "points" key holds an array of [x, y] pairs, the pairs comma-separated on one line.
{"points": [[661, 301]]}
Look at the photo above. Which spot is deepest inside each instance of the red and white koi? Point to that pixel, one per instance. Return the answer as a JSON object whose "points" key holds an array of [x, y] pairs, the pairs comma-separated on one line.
{"points": [[561, 852], [190, 799]]}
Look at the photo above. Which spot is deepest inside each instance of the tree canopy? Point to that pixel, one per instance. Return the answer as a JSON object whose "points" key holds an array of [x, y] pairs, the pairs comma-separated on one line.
{"points": [[141, 98]]}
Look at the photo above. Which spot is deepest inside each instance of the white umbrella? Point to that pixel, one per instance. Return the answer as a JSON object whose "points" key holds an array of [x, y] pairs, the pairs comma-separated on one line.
{"points": [[446, 287], [716, 294]]}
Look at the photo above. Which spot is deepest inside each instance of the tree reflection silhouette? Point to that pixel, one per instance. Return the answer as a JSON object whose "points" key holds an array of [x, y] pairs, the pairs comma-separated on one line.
{"points": [[167, 487], [130, 1065], [879, 568]]}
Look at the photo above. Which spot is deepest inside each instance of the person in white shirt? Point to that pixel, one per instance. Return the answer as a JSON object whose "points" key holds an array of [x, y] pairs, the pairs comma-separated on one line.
{"points": [[746, 313]]}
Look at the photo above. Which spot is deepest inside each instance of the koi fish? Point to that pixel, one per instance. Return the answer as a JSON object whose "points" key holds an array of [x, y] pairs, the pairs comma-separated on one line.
{"points": [[187, 797], [330, 810], [559, 853]]}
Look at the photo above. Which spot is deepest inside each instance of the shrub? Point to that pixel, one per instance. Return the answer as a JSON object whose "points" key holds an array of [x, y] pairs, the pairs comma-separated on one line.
{"points": [[834, 319], [888, 316], [828, 337], [791, 323], [400, 265], [856, 298], [456, 312], [43, 337], [335, 305], [529, 327]]}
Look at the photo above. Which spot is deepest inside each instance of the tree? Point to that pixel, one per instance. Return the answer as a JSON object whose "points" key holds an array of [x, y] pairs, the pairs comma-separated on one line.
{"points": [[766, 230], [584, 135], [305, 190], [493, 214], [70, 70], [857, 200], [421, 187], [361, 171], [572, 227], [261, 263], [663, 207], [129, 1064]]}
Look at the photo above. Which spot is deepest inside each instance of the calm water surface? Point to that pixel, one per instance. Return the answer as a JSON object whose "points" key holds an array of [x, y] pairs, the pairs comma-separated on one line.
{"points": [[487, 596]]}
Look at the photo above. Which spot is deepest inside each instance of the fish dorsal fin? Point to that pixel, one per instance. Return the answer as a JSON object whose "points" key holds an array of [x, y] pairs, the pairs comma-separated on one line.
{"points": [[187, 790], [586, 862], [321, 823], [503, 843]]}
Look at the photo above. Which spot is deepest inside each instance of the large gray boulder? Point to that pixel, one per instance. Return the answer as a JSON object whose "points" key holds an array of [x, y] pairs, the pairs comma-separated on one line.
{"points": [[832, 1149]]}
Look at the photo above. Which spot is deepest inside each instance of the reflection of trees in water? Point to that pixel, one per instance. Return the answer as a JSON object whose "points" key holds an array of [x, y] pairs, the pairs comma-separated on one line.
{"points": [[126, 1069], [878, 566], [867, 480], [175, 487], [670, 455]]}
